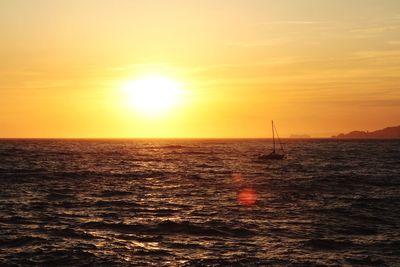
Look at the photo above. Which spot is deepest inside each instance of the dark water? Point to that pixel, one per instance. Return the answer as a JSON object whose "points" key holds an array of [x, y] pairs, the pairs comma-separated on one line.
{"points": [[175, 203]]}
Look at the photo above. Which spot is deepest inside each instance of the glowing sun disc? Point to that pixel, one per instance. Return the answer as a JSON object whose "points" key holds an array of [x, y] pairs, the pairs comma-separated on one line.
{"points": [[152, 94]]}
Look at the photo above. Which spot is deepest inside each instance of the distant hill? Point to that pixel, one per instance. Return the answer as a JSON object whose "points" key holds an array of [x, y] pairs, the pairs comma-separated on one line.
{"points": [[386, 133]]}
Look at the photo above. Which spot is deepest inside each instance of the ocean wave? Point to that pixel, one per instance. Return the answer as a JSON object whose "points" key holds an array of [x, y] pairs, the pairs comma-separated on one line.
{"points": [[116, 203], [328, 244], [171, 227], [20, 241], [186, 227], [366, 261], [174, 147], [70, 233], [114, 193]]}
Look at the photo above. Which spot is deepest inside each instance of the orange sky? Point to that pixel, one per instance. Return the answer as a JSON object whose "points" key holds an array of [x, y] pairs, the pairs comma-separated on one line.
{"points": [[316, 67]]}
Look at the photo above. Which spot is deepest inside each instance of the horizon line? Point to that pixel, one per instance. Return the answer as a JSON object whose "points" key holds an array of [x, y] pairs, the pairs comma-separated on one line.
{"points": [[76, 138], [188, 138]]}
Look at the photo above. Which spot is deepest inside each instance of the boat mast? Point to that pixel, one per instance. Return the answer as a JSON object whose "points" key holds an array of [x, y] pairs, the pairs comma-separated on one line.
{"points": [[273, 135], [279, 140]]}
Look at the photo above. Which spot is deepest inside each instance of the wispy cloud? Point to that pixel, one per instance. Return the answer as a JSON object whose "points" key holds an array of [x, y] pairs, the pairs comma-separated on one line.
{"points": [[376, 29], [292, 22], [271, 42], [381, 103], [134, 66], [273, 62], [355, 102], [377, 54], [394, 42]]}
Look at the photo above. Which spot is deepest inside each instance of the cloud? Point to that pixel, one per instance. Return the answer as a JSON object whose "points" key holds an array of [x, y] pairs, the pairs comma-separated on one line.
{"points": [[377, 53], [381, 103], [292, 22], [375, 30], [394, 42], [271, 42], [135, 66], [360, 102]]}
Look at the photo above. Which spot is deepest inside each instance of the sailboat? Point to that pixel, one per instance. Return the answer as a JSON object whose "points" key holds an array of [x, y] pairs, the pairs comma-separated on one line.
{"points": [[274, 155]]}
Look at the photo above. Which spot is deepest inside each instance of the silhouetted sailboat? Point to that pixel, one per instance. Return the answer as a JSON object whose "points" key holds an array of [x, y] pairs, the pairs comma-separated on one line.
{"points": [[274, 155]]}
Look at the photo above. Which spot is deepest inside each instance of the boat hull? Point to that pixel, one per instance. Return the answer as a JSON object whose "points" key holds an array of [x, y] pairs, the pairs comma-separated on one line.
{"points": [[272, 156]]}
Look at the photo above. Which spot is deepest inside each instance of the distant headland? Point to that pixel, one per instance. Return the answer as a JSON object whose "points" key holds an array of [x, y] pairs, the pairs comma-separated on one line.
{"points": [[386, 133]]}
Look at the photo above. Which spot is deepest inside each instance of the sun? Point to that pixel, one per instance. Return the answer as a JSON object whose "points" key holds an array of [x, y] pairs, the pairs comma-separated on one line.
{"points": [[153, 94]]}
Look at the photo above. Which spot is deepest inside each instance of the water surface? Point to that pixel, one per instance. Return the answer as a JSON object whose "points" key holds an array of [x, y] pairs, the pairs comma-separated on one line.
{"points": [[175, 202]]}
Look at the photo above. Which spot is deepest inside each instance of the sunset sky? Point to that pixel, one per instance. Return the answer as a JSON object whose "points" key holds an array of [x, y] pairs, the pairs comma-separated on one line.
{"points": [[317, 67]]}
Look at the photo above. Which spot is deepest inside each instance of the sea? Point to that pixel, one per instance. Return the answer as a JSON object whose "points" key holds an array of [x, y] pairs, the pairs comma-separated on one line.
{"points": [[208, 202]]}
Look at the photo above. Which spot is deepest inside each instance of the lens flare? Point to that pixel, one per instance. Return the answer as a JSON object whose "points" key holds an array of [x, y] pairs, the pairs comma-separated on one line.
{"points": [[238, 178], [247, 197]]}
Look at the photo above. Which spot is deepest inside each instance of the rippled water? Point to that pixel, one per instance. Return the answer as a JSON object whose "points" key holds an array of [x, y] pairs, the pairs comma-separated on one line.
{"points": [[188, 203]]}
